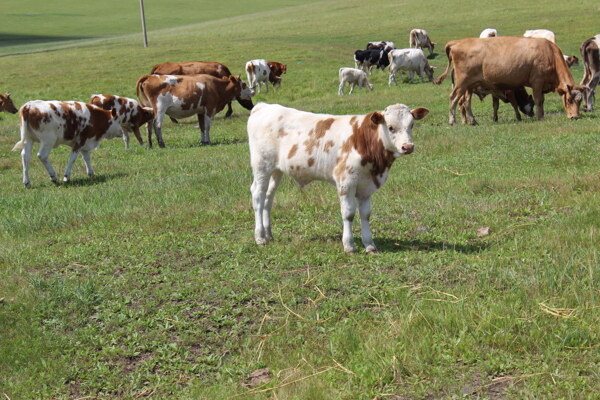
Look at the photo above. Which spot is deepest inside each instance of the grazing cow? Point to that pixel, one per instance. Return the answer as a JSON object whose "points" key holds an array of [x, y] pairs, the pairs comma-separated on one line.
{"points": [[6, 104], [488, 32], [215, 69], [411, 60], [509, 62], [541, 33], [353, 77], [352, 152], [259, 72], [518, 98], [590, 54], [51, 123], [181, 96], [131, 115], [380, 45], [366, 59], [420, 38]]}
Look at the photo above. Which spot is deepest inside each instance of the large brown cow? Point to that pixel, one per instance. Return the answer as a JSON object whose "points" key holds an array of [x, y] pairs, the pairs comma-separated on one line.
{"points": [[506, 63], [181, 96], [215, 69], [590, 52]]}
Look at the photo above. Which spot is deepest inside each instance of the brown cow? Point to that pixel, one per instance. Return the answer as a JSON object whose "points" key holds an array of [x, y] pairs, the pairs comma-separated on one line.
{"points": [[590, 53], [215, 69], [6, 104], [509, 62], [181, 96], [277, 69]]}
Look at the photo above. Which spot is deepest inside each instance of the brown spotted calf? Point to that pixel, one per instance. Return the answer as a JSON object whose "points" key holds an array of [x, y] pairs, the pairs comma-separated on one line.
{"points": [[131, 115], [352, 152], [78, 125]]}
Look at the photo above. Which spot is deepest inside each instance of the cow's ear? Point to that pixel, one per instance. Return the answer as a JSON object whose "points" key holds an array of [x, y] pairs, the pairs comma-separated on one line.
{"points": [[561, 91], [419, 113], [377, 118]]}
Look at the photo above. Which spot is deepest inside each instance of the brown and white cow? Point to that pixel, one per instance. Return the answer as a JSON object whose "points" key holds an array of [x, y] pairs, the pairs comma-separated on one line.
{"points": [[277, 69], [131, 115], [420, 38], [78, 125], [215, 69], [590, 53], [509, 62], [6, 104], [352, 152], [259, 72], [181, 96]]}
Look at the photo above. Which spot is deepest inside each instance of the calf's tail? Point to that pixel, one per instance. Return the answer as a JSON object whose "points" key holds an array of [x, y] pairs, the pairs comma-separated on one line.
{"points": [[23, 117]]}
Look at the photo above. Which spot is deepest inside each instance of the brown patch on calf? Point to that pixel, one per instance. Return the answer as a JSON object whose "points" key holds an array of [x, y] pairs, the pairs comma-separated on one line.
{"points": [[328, 146], [33, 117], [311, 162], [315, 135], [293, 151], [282, 133], [365, 140]]}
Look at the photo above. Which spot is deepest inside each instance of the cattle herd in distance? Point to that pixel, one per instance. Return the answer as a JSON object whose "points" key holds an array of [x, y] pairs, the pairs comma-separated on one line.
{"points": [[352, 152]]}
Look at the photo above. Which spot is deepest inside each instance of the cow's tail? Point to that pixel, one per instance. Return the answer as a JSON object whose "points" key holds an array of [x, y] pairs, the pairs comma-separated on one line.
{"points": [[139, 90], [449, 68], [24, 126]]}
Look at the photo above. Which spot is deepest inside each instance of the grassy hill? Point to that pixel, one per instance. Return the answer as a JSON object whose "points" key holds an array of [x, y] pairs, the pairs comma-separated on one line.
{"points": [[145, 282]]}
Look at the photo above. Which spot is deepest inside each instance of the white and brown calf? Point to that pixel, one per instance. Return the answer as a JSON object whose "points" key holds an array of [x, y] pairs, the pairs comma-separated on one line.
{"points": [[182, 96], [352, 152], [78, 125], [411, 60], [131, 115], [419, 38], [353, 77], [541, 33], [488, 32], [259, 72]]}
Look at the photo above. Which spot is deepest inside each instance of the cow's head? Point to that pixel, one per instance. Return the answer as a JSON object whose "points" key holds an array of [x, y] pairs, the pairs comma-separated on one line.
{"points": [[428, 71], [589, 95], [571, 97], [572, 60], [397, 122], [6, 104], [245, 92]]}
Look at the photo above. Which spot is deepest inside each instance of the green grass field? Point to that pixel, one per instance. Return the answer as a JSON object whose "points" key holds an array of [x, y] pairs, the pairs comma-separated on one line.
{"points": [[145, 281]]}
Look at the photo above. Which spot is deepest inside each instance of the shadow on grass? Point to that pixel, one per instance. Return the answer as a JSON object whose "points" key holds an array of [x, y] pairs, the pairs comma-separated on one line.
{"points": [[9, 39], [94, 180], [396, 245]]}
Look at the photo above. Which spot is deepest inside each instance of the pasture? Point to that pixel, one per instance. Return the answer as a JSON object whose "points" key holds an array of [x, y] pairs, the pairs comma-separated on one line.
{"points": [[145, 281]]}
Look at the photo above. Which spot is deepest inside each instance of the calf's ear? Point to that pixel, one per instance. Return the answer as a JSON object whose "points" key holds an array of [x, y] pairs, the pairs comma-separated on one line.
{"points": [[377, 118], [419, 113]]}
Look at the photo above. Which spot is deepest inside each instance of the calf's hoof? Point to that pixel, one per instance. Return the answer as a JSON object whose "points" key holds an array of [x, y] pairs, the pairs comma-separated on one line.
{"points": [[349, 250], [161, 145], [261, 241], [371, 250], [66, 179], [27, 185]]}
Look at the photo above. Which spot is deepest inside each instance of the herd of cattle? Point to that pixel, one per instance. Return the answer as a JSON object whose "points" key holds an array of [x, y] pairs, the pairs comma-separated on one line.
{"points": [[353, 152]]}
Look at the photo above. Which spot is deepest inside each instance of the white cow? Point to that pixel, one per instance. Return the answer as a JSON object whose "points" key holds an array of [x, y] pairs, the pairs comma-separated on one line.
{"points": [[411, 60], [258, 72], [541, 33], [353, 77], [488, 32], [352, 152], [51, 123], [419, 38]]}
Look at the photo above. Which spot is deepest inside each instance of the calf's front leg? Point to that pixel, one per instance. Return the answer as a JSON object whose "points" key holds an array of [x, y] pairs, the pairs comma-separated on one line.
{"points": [[364, 209], [348, 208]]}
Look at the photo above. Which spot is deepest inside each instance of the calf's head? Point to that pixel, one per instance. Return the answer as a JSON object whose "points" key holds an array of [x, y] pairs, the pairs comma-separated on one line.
{"points": [[571, 97], [6, 104], [396, 124]]}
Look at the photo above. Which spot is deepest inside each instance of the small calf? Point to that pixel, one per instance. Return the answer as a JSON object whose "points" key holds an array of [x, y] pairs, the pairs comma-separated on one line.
{"points": [[6, 104], [78, 125], [411, 60], [352, 152], [353, 77], [131, 115], [488, 32]]}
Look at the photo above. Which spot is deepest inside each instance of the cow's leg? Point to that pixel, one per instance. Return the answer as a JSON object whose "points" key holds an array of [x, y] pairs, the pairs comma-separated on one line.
{"points": [[125, 138], [495, 106], [463, 110], [538, 99], [259, 187], [455, 97], [87, 159], [467, 104], [392, 77], [43, 154], [158, 128], [352, 87], [266, 217], [72, 159], [204, 124], [229, 110], [348, 208], [513, 102], [590, 92], [341, 89], [150, 126], [411, 75], [364, 209], [138, 136], [25, 157]]}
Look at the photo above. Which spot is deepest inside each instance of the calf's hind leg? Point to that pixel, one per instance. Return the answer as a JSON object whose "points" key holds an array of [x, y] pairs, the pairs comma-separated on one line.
{"points": [[259, 188], [268, 205]]}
